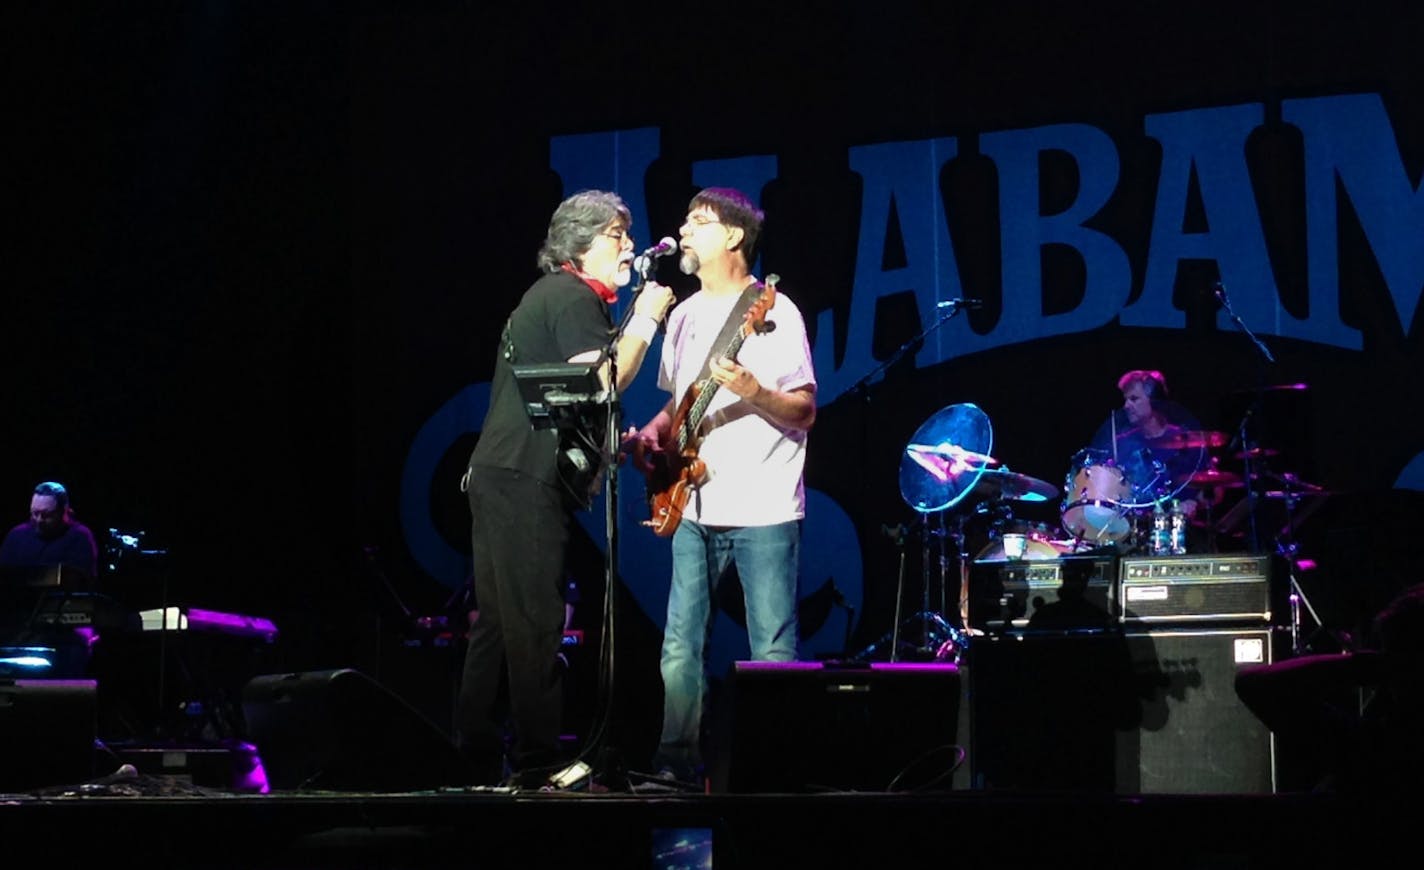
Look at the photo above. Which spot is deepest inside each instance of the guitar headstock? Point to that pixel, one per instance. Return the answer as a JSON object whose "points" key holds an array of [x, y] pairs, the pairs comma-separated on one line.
{"points": [[755, 319]]}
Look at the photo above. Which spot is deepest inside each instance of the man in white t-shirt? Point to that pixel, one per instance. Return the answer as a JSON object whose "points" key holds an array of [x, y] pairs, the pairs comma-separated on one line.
{"points": [[748, 506]]}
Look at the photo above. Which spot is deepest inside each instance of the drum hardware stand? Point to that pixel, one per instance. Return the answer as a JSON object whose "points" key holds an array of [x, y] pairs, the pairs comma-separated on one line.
{"points": [[1287, 548], [897, 535], [928, 619], [1210, 521], [939, 639]]}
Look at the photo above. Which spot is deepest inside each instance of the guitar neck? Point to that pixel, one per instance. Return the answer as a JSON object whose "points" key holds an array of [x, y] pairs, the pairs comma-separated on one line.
{"points": [[704, 397]]}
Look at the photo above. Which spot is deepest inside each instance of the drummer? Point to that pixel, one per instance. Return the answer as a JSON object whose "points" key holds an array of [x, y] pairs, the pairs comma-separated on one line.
{"points": [[1158, 445]]}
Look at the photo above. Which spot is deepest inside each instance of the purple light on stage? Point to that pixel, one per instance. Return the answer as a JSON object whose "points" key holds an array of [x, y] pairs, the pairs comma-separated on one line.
{"points": [[232, 623], [248, 774]]}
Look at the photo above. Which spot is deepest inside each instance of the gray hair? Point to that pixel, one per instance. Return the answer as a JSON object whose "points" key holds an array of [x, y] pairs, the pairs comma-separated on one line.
{"points": [[574, 225]]}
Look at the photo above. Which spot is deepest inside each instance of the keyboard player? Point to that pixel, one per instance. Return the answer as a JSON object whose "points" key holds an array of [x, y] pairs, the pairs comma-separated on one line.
{"points": [[51, 555]]}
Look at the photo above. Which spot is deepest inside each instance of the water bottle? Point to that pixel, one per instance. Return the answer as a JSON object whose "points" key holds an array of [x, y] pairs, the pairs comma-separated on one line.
{"points": [[1177, 522], [1161, 543]]}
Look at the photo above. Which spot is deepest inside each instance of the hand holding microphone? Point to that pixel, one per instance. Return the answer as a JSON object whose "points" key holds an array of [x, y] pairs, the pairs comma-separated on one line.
{"points": [[654, 301]]}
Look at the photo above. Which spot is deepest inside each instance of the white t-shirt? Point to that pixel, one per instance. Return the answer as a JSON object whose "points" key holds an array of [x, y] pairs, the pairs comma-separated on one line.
{"points": [[754, 467]]}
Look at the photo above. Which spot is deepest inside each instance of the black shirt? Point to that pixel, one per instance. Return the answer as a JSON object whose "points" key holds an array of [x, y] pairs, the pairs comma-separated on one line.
{"points": [[558, 317]]}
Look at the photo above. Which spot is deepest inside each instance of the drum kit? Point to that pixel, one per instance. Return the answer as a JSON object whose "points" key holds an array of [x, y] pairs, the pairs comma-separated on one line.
{"points": [[1122, 492]]}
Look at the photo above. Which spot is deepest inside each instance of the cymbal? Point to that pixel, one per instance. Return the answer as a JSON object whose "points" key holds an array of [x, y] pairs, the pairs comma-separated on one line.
{"points": [[1291, 482], [945, 457], [1274, 388], [1215, 477], [1282, 495], [1191, 440], [1001, 483]]}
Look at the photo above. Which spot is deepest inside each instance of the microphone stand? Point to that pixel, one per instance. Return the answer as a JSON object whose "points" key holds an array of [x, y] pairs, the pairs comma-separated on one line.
{"points": [[951, 308], [610, 514], [862, 387], [1242, 434], [1220, 293]]}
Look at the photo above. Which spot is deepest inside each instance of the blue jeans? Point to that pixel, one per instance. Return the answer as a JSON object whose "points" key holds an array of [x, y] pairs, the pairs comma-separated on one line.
{"points": [[767, 560]]}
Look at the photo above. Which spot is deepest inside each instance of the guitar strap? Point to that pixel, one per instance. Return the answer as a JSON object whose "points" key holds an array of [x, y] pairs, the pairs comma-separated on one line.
{"points": [[734, 322]]}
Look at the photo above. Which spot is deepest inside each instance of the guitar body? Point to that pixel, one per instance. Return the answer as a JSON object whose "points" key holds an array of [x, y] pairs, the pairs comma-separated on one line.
{"points": [[667, 503], [676, 469], [673, 476]]}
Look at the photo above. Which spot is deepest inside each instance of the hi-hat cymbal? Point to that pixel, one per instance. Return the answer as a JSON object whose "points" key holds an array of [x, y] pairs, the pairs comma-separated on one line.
{"points": [[1190, 440], [1257, 453], [1215, 477]]}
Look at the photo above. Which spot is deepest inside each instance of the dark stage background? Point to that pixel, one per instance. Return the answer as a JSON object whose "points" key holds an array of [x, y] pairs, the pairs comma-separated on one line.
{"points": [[253, 249]]}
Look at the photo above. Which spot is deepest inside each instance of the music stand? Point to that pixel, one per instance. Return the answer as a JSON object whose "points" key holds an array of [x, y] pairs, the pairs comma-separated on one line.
{"points": [[558, 395]]}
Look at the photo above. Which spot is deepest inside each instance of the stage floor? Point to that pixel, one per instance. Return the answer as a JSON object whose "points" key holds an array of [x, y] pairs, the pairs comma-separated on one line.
{"points": [[163, 821]]}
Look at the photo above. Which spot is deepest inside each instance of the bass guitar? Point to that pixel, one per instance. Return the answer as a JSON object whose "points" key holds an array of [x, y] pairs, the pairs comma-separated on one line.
{"points": [[676, 469]]}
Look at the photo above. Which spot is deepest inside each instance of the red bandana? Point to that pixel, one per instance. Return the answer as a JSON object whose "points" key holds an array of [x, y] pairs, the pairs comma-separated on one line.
{"points": [[606, 293]]}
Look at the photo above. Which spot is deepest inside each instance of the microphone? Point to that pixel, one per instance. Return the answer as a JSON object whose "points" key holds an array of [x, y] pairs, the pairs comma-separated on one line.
{"points": [[960, 303], [645, 260]]}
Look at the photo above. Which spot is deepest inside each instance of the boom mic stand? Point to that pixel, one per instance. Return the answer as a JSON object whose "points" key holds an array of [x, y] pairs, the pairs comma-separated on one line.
{"points": [[1242, 435], [1285, 545]]}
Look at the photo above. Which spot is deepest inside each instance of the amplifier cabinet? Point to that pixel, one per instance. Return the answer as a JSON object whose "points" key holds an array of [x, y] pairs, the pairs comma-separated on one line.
{"points": [[1070, 592], [47, 732], [796, 727], [1130, 712], [1190, 589]]}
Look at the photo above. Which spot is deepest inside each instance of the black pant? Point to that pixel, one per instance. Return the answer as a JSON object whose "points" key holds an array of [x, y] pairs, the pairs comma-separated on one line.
{"points": [[520, 535]]}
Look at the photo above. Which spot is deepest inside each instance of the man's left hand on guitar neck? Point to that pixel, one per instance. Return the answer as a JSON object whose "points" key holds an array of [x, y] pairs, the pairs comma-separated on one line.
{"points": [[727, 373], [794, 409]]}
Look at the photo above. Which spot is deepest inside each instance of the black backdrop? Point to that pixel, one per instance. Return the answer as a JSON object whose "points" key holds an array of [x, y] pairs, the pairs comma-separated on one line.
{"points": [[252, 248]]}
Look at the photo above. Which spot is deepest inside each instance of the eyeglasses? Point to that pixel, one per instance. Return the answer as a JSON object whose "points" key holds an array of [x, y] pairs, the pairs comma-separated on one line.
{"points": [[701, 220], [618, 235]]}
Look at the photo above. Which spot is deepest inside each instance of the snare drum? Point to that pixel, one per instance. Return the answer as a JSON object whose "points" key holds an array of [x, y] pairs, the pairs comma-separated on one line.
{"points": [[1034, 549], [1096, 505]]}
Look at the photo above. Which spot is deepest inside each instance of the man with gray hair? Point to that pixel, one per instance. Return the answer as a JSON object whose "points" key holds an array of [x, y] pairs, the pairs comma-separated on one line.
{"points": [[521, 504]]}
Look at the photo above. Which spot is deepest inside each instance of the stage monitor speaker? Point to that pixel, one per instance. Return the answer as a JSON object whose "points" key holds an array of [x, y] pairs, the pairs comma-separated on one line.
{"points": [[799, 727], [47, 733], [338, 730], [1131, 713]]}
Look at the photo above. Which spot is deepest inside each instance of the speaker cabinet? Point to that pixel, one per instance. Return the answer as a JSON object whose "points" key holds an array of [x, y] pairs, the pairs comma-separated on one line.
{"points": [[47, 732], [799, 727], [338, 730], [1132, 713]]}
